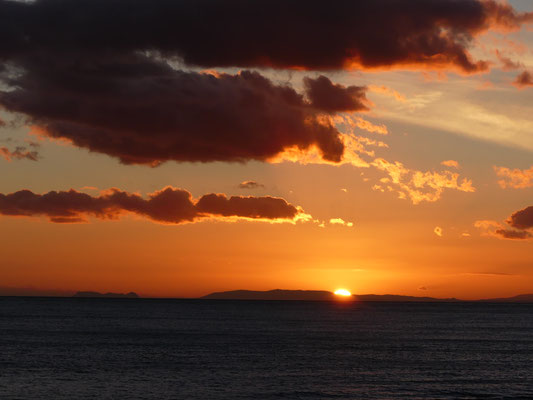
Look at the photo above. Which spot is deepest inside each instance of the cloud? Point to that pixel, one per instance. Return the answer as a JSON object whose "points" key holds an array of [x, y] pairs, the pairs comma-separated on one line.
{"points": [[507, 63], [514, 178], [418, 186], [451, 164], [494, 274], [438, 231], [513, 235], [250, 185], [329, 97], [422, 288], [496, 229], [263, 33], [167, 206], [143, 111], [387, 91], [340, 221], [521, 221], [351, 122], [523, 80], [20, 153]]}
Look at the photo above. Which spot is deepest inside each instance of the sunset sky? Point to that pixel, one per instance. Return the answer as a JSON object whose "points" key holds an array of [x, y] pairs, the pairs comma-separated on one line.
{"points": [[179, 147]]}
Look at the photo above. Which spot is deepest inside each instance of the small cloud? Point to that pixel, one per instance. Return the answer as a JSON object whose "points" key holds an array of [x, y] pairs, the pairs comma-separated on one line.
{"points": [[250, 185], [422, 288], [344, 190], [32, 143], [521, 223], [340, 221], [20, 153], [329, 97], [438, 231], [512, 234], [507, 63], [488, 274], [417, 185], [465, 234], [514, 178], [451, 163], [523, 80], [522, 219], [388, 92]]}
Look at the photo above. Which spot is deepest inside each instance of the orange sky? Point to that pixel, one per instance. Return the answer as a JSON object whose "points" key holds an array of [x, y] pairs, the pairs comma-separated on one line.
{"points": [[435, 153]]}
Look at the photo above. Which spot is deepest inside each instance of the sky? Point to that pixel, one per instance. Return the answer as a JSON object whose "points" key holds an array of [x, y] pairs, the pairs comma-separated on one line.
{"points": [[176, 148]]}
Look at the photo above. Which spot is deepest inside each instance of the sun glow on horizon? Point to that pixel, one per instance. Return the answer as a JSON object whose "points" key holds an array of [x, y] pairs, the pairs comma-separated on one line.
{"points": [[342, 292]]}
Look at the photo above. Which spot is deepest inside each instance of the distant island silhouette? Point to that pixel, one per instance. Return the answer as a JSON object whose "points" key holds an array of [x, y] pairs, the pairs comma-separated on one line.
{"points": [[323, 295], [130, 295], [276, 294]]}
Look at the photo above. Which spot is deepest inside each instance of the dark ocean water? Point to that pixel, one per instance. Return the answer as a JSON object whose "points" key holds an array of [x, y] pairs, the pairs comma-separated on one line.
{"points": [[198, 349]]}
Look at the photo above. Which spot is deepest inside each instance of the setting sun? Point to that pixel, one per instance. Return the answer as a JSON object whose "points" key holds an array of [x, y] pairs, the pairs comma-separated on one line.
{"points": [[342, 292]]}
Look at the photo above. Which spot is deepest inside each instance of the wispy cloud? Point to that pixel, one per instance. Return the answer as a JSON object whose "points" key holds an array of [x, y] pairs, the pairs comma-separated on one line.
{"points": [[20, 153], [250, 185], [514, 178]]}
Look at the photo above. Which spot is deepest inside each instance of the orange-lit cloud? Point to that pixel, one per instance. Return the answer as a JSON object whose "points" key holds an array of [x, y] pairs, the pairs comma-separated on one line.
{"points": [[523, 80], [167, 206], [507, 63], [19, 153], [387, 91], [350, 122], [520, 221], [354, 147], [416, 185], [498, 230], [514, 178], [450, 163], [340, 221], [438, 231]]}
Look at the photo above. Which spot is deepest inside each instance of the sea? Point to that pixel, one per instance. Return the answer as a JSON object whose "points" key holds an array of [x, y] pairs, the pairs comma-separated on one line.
{"points": [[80, 348]]}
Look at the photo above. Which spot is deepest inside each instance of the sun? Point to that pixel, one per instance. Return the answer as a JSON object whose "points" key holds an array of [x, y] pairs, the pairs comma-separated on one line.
{"points": [[342, 292]]}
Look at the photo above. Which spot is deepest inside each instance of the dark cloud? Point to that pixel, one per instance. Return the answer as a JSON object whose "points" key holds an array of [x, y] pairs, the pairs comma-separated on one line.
{"points": [[307, 34], [19, 153], [523, 80], [94, 71], [327, 96], [507, 63], [512, 234], [522, 219], [249, 207], [489, 274], [250, 185], [143, 111], [170, 205]]}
